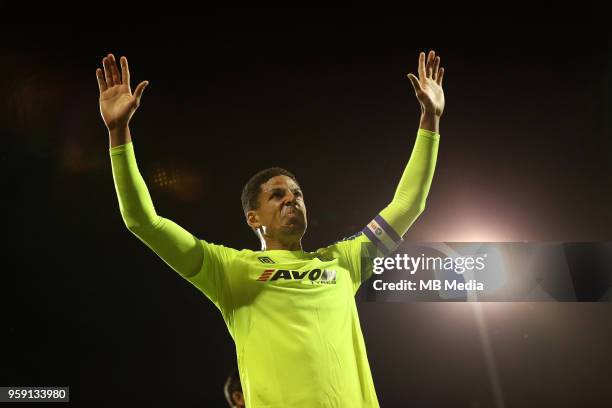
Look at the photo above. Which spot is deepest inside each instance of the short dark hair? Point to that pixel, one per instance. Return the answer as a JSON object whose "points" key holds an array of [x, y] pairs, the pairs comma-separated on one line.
{"points": [[232, 384], [251, 190]]}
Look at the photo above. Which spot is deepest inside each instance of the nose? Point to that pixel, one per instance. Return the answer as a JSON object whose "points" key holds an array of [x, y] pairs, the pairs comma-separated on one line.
{"points": [[289, 198]]}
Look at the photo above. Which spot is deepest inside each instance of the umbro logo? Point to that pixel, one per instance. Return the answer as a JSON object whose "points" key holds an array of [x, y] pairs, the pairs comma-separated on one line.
{"points": [[265, 259]]}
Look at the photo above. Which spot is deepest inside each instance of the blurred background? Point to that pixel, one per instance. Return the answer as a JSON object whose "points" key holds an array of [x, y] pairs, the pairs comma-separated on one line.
{"points": [[525, 154]]}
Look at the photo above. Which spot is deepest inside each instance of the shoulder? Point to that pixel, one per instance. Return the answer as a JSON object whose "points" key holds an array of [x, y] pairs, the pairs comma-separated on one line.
{"points": [[343, 244], [224, 251]]}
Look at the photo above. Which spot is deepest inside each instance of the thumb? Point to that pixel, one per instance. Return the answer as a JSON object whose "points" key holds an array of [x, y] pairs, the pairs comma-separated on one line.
{"points": [[139, 90], [415, 83]]}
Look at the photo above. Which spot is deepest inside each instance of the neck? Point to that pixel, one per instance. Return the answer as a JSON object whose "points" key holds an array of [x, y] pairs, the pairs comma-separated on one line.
{"points": [[268, 243]]}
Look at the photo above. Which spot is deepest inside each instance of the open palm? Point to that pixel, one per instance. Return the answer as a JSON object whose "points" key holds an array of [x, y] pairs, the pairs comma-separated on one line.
{"points": [[428, 86], [117, 103]]}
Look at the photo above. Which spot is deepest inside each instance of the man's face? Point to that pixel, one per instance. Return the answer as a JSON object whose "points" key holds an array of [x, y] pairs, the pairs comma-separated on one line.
{"points": [[281, 211]]}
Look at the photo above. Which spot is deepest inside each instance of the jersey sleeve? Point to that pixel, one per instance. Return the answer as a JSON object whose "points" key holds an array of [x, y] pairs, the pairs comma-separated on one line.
{"points": [[387, 229], [176, 246], [203, 264], [384, 233]]}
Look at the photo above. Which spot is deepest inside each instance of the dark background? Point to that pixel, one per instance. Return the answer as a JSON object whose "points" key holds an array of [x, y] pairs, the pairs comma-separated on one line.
{"points": [[524, 155]]}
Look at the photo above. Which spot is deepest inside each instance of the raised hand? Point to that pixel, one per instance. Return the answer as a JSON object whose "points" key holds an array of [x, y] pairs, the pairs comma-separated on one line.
{"points": [[428, 86], [117, 103]]}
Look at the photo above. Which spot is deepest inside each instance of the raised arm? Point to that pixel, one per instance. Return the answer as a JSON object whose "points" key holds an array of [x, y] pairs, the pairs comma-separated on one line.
{"points": [[180, 249], [410, 196]]}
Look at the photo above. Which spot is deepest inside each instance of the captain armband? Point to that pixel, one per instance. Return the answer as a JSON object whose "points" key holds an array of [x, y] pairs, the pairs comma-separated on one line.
{"points": [[382, 235]]}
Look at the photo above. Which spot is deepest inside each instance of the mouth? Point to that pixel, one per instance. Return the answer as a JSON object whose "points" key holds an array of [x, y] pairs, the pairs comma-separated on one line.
{"points": [[291, 211], [293, 219]]}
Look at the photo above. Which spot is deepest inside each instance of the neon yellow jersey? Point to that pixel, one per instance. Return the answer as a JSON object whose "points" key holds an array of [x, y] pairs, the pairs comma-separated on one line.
{"points": [[292, 314], [293, 318]]}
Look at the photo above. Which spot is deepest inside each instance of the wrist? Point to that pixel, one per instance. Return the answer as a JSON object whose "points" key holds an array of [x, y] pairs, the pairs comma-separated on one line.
{"points": [[430, 121], [119, 135], [432, 113]]}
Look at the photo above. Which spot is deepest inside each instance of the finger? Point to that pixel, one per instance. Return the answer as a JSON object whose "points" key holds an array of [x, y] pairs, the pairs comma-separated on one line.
{"points": [[114, 70], [422, 65], [101, 82], [139, 90], [430, 59], [415, 83], [107, 72], [436, 67], [440, 76], [125, 72]]}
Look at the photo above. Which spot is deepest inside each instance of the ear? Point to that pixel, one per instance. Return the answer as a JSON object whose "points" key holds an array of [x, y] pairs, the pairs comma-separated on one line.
{"points": [[253, 219], [238, 398]]}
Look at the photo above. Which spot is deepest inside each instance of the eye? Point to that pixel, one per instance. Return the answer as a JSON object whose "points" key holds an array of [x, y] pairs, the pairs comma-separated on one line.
{"points": [[298, 193]]}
